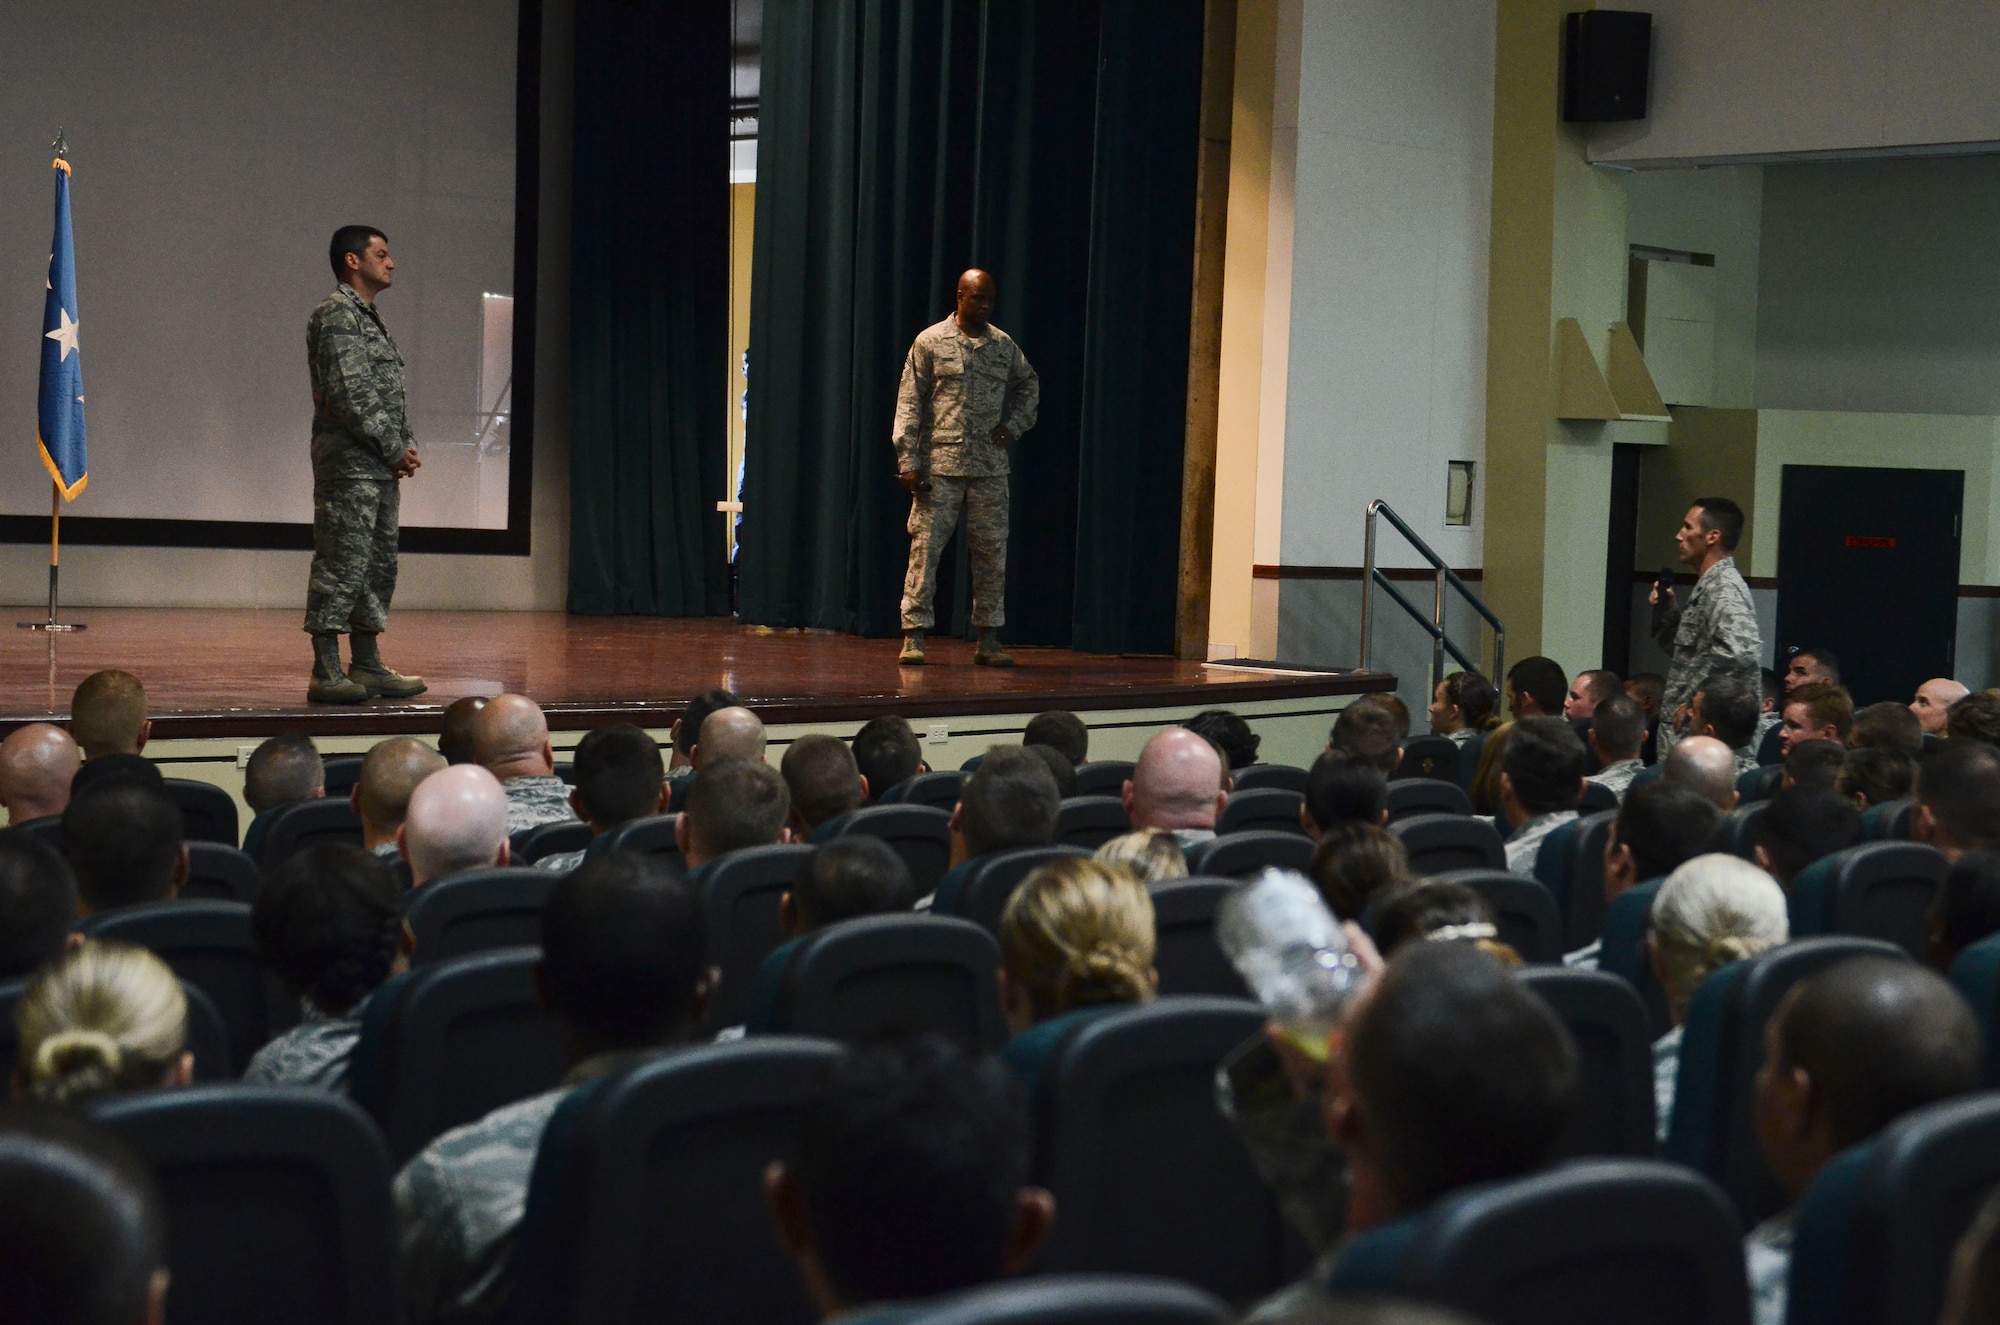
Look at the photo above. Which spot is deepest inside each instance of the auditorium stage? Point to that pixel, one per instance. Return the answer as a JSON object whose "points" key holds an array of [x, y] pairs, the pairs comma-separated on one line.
{"points": [[222, 674]]}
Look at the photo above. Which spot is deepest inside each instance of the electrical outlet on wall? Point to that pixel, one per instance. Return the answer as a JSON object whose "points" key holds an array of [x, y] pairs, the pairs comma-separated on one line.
{"points": [[940, 732], [243, 753]]}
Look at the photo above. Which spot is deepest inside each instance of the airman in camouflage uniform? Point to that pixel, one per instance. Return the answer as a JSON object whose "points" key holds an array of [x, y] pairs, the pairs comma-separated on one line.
{"points": [[361, 447], [537, 799], [314, 1053], [1715, 633], [967, 393]]}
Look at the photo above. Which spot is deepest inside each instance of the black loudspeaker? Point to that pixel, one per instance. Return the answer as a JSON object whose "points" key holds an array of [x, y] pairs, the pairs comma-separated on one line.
{"points": [[1606, 56]]}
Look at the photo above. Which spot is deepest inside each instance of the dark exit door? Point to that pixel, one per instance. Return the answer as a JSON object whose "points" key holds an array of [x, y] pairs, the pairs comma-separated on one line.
{"points": [[1868, 567]]}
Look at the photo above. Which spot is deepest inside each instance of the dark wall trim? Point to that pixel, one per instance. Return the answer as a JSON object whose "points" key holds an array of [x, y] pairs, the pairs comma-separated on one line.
{"points": [[1352, 573], [99, 531], [1771, 582]]}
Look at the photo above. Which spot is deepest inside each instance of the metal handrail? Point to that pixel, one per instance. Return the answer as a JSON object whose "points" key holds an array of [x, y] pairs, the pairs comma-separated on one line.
{"points": [[1440, 642]]}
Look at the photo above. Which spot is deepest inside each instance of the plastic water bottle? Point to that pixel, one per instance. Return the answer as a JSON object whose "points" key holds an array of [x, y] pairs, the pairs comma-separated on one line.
{"points": [[1292, 952]]}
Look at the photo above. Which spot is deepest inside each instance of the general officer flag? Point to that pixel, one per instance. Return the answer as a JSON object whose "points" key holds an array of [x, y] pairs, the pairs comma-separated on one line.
{"points": [[60, 434]]}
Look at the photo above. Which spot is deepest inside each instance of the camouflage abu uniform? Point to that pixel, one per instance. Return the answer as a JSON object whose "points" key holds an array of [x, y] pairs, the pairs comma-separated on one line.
{"points": [[314, 1053], [956, 389], [1713, 634], [536, 800], [359, 435]]}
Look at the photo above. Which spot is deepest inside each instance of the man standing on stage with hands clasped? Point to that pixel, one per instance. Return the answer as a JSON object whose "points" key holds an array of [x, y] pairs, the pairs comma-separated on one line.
{"points": [[361, 450], [967, 393]]}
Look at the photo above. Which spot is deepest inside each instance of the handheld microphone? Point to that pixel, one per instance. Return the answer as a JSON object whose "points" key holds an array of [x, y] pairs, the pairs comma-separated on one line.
{"points": [[1662, 587]]}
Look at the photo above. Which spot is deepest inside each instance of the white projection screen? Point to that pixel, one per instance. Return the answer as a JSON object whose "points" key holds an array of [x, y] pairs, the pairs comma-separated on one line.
{"points": [[216, 146]]}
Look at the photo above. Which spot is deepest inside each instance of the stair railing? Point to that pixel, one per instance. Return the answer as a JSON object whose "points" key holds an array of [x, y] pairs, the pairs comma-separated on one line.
{"points": [[1441, 642]]}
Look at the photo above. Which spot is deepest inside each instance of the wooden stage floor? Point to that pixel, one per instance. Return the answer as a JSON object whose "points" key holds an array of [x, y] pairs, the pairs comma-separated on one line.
{"points": [[243, 672]]}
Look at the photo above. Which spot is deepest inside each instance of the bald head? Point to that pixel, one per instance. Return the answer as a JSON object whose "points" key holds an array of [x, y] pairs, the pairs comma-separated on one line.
{"points": [[726, 734], [455, 736], [1933, 698], [457, 821], [389, 775], [510, 738], [36, 765], [975, 296], [1176, 784], [107, 714], [1706, 766]]}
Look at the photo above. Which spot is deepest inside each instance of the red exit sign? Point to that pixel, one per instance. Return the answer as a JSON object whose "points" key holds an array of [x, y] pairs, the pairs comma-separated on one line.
{"points": [[1869, 540]]}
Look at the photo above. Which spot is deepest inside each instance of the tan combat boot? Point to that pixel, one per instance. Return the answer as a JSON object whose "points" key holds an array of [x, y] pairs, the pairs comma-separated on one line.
{"points": [[989, 653], [913, 650], [330, 685], [373, 675]]}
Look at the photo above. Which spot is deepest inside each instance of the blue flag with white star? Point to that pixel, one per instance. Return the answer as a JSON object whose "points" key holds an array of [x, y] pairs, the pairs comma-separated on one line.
{"points": [[60, 434]]}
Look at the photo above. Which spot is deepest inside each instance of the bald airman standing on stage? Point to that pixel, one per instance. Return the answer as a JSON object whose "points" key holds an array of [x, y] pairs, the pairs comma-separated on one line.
{"points": [[967, 393]]}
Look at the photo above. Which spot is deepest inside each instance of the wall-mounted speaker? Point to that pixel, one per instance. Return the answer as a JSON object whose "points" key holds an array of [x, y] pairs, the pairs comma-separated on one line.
{"points": [[1606, 57]]}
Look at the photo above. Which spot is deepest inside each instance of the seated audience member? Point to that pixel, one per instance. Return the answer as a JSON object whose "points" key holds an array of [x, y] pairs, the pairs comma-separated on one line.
{"points": [[1617, 732], [1356, 862], [1887, 726], [687, 729], [1009, 801], [1711, 911], [620, 777], [37, 905], [455, 740], [390, 772], [1061, 730], [1464, 705], [911, 1181], [1393, 702], [1848, 1052], [1535, 688], [1705, 766], [126, 843], [1661, 826], [1484, 793], [511, 739], [1965, 908], [1812, 667], [37, 764], [887, 753], [1587, 690], [457, 822], [329, 925], [1541, 779], [1228, 734], [1875, 777], [107, 715], [1958, 798], [1076, 940], [1177, 785], [844, 879], [1817, 713], [727, 735], [1814, 765], [117, 768], [1370, 731], [735, 804], [1448, 1073], [1799, 827], [824, 781], [1772, 711], [1975, 718], [1343, 787], [624, 968], [82, 1236], [107, 1019], [1059, 766], [1437, 911], [1726, 709], [1649, 688], [282, 771], [1934, 699], [1150, 856]]}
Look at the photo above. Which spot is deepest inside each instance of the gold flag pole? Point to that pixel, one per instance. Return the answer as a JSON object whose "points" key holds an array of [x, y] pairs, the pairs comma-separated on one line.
{"points": [[52, 625]]}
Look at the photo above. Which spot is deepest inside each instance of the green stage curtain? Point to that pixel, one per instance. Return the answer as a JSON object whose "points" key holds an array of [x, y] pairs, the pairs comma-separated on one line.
{"points": [[901, 141], [649, 308]]}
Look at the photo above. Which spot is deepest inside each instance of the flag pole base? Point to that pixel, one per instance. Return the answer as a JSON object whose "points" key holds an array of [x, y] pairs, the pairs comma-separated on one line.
{"points": [[51, 625]]}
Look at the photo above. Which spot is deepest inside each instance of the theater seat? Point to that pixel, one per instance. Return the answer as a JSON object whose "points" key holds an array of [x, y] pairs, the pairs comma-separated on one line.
{"points": [[653, 837], [1430, 757], [208, 813], [1440, 842], [1257, 777], [1975, 973], [552, 840], [479, 911], [1525, 910], [1760, 784], [1425, 795], [1736, 834], [207, 1038], [307, 824], [1887, 822], [1596, 799], [219, 873], [879, 976], [1614, 1047], [1876, 1229], [741, 891], [980, 893], [1078, 1299], [647, 1200], [920, 834], [1241, 855], [447, 1044], [1878, 890], [1147, 1176], [1267, 809], [1722, 1047], [1627, 922], [1633, 1241], [1088, 822], [1582, 898], [277, 1202], [1185, 952], [343, 773], [1103, 777], [937, 790]]}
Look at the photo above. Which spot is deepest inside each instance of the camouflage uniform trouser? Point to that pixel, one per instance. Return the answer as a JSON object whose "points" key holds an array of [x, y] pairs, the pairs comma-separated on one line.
{"points": [[932, 518], [354, 556]]}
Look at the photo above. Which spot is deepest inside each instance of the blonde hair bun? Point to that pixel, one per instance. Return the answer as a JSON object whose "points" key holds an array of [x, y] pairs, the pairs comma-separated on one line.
{"points": [[1079, 932]]}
